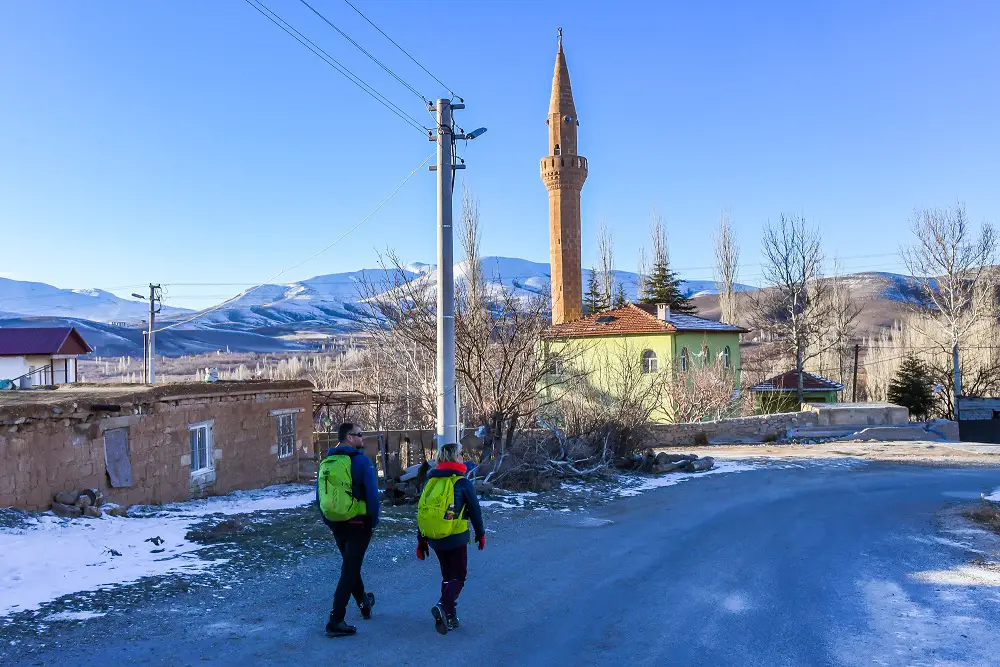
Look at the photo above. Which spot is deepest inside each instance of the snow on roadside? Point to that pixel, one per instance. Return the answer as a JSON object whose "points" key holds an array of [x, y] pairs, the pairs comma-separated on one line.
{"points": [[633, 486], [994, 497], [51, 557]]}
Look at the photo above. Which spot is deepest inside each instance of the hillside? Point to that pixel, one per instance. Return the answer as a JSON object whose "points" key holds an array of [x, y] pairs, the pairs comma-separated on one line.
{"points": [[300, 315]]}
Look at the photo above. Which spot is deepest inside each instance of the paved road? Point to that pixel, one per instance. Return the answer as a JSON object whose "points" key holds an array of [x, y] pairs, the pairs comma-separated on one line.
{"points": [[809, 566]]}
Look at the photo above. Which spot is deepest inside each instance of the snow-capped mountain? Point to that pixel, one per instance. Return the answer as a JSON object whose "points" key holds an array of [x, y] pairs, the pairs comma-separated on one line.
{"points": [[29, 299], [275, 317]]}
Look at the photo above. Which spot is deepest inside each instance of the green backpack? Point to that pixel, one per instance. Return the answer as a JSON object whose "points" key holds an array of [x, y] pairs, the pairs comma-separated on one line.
{"points": [[336, 500], [436, 510]]}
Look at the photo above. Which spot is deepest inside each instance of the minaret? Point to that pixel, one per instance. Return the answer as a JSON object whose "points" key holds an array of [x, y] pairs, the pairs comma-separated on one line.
{"points": [[563, 173]]}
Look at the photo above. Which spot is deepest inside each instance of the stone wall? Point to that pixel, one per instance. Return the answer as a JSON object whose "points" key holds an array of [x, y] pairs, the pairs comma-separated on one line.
{"points": [[759, 428], [55, 446]]}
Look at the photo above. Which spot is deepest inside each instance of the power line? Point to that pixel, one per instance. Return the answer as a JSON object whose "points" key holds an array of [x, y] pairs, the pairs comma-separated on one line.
{"points": [[335, 64], [360, 48], [307, 259], [448, 88]]}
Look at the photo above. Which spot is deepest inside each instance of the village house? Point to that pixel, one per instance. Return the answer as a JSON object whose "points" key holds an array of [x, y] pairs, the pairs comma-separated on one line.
{"points": [[151, 444], [649, 339], [36, 356], [780, 393]]}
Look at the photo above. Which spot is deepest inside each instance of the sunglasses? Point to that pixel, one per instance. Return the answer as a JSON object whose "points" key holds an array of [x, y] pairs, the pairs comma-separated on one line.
{"points": [[359, 434]]}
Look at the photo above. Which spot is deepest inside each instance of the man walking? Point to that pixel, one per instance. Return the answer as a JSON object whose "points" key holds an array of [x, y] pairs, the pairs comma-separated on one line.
{"points": [[348, 498]]}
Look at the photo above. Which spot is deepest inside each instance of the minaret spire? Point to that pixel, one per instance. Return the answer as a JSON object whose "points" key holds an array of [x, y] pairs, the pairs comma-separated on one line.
{"points": [[564, 173]]}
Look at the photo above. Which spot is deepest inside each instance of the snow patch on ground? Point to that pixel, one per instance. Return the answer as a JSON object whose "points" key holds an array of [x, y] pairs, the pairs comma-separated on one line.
{"points": [[51, 557], [963, 575], [736, 603], [74, 616], [635, 486], [993, 497]]}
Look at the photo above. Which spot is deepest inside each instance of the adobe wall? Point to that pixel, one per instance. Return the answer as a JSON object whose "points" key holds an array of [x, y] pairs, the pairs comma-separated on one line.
{"points": [[46, 448], [758, 428]]}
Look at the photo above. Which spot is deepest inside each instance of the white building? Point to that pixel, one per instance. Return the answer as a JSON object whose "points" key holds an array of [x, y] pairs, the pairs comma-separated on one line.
{"points": [[34, 356]]}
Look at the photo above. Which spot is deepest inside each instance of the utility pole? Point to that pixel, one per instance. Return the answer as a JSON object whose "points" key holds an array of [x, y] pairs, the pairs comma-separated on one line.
{"points": [[154, 308], [854, 385], [447, 400]]}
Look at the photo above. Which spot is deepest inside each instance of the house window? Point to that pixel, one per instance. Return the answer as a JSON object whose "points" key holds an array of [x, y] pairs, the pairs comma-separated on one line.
{"points": [[649, 361], [202, 460], [725, 357], [684, 359], [286, 436], [706, 357], [556, 366]]}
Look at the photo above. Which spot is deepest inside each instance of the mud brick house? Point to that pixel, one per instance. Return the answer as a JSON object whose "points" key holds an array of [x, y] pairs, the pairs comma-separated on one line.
{"points": [[151, 444]]}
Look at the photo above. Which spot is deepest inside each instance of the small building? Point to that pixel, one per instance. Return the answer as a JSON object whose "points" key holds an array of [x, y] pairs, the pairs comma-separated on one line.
{"points": [[40, 356], [646, 339], [152, 444], [780, 393]]}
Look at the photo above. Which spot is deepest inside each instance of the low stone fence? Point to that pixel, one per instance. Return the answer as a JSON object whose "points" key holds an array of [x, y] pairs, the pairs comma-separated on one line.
{"points": [[759, 428]]}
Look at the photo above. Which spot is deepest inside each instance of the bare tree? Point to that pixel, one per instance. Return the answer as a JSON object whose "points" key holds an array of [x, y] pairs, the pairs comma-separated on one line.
{"points": [[606, 250], [704, 391], [952, 267], [796, 306], [727, 260]]}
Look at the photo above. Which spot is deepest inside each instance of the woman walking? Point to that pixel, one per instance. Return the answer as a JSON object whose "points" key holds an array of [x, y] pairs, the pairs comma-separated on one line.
{"points": [[447, 505]]}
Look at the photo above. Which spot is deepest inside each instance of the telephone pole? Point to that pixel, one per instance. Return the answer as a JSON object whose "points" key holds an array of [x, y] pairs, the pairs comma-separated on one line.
{"points": [[155, 294], [447, 398], [854, 385]]}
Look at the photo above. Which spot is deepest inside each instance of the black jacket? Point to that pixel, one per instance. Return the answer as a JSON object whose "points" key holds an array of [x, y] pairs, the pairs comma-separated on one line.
{"points": [[465, 499]]}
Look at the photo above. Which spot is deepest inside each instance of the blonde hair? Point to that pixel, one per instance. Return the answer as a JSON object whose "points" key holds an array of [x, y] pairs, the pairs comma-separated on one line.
{"points": [[449, 453]]}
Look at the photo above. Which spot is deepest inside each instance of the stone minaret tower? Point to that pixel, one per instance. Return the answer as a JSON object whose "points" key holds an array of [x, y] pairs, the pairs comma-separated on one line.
{"points": [[563, 173]]}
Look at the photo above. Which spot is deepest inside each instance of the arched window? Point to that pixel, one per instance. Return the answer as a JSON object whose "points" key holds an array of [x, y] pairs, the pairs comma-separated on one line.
{"points": [[725, 357], [684, 359], [706, 357], [649, 361], [557, 150]]}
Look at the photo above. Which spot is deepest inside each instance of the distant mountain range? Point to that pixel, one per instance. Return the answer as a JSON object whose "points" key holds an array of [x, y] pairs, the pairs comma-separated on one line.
{"points": [[300, 315]]}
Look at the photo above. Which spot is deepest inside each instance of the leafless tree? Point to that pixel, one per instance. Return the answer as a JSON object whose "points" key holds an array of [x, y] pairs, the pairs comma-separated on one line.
{"points": [[606, 250], [727, 260], [797, 306], [704, 391]]}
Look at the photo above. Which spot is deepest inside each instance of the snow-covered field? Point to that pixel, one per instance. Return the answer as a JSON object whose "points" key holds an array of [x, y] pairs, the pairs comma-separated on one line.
{"points": [[51, 557]]}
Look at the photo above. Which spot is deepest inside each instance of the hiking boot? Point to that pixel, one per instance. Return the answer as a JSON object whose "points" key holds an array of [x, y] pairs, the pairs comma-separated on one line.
{"points": [[440, 622], [339, 628], [366, 608], [451, 620]]}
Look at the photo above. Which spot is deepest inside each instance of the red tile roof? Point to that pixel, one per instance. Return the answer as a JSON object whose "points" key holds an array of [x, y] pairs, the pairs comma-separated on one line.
{"points": [[788, 381], [19, 341], [634, 319]]}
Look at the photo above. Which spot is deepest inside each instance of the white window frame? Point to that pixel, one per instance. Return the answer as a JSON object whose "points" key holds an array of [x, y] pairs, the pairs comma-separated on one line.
{"points": [[286, 441], [209, 467], [645, 358]]}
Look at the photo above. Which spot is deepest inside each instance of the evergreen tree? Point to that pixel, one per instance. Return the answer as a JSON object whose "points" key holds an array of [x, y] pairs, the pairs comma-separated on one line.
{"points": [[620, 299], [593, 300], [911, 387], [663, 286]]}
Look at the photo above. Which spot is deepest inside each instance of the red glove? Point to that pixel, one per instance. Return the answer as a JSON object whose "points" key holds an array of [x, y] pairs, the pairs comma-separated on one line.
{"points": [[422, 550], [482, 542]]}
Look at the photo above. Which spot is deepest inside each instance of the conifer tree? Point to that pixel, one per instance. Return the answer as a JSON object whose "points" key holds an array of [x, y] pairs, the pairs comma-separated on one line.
{"points": [[620, 299], [662, 285], [911, 387], [593, 300]]}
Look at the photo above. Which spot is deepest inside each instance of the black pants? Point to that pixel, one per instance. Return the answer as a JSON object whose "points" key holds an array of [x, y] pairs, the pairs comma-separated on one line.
{"points": [[454, 568], [352, 540]]}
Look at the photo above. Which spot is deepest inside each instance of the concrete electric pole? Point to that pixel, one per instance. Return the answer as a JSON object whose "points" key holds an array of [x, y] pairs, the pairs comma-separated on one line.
{"points": [[154, 308], [447, 397]]}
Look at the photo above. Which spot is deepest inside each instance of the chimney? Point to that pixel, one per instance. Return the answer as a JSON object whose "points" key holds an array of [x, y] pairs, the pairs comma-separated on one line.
{"points": [[663, 312]]}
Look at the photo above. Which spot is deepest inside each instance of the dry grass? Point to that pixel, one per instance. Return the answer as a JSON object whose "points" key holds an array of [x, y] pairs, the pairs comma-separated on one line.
{"points": [[986, 515]]}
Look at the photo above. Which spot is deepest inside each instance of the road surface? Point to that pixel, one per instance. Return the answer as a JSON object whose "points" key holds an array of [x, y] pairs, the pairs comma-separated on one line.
{"points": [[818, 565]]}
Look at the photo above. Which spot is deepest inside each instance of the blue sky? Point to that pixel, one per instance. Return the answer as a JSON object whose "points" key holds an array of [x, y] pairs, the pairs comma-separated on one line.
{"points": [[194, 142]]}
